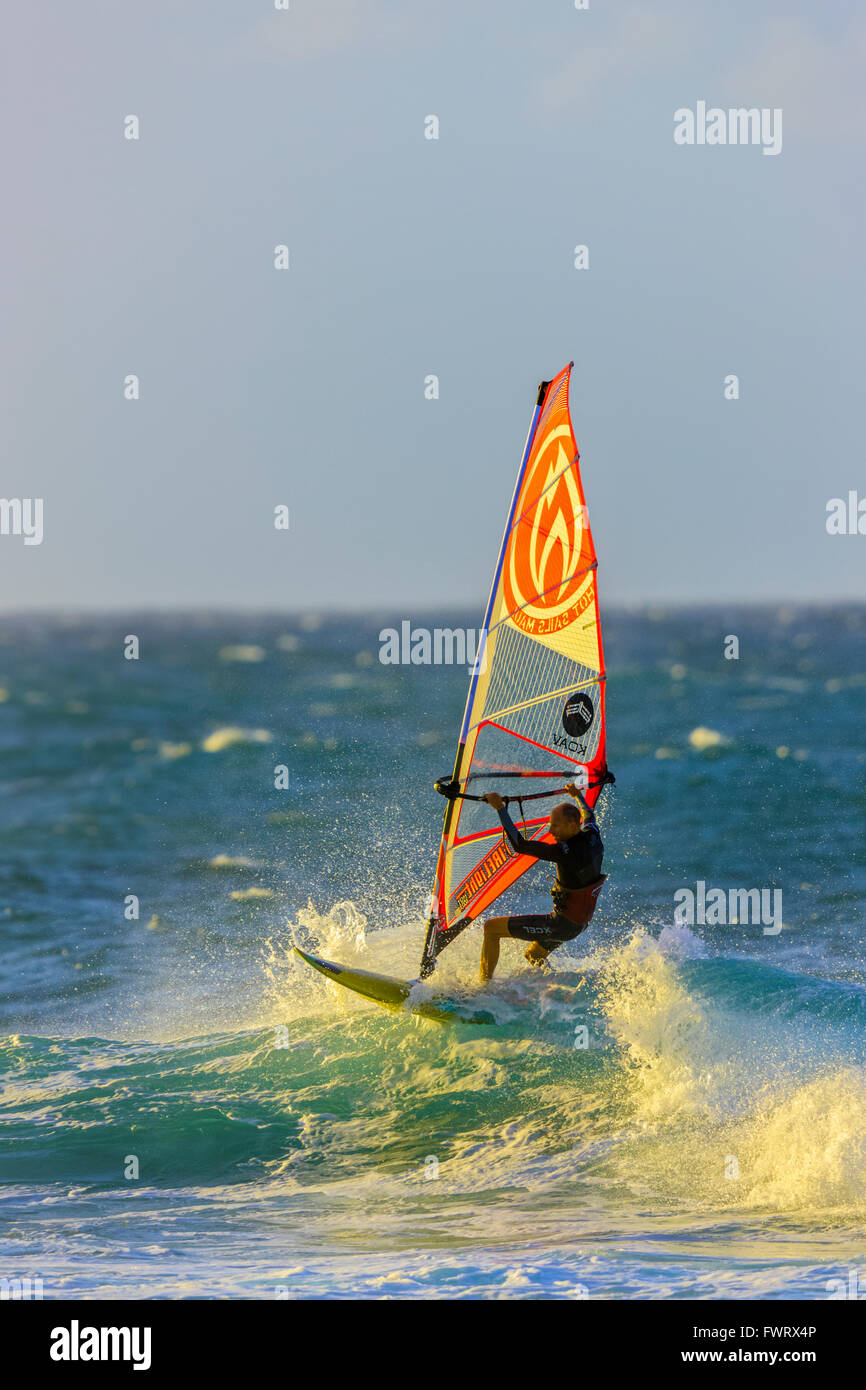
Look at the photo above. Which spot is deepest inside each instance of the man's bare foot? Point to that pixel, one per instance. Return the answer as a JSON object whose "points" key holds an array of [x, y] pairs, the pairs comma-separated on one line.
{"points": [[535, 956]]}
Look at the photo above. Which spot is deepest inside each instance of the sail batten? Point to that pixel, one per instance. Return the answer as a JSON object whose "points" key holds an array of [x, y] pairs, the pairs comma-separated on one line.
{"points": [[535, 707]]}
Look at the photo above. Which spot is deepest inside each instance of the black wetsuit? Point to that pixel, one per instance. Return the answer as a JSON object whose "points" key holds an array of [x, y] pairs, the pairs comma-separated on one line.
{"points": [[578, 864]]}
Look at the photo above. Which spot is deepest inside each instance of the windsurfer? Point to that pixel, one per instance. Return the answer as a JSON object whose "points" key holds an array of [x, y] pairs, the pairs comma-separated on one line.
{"points": [[577, 852]]}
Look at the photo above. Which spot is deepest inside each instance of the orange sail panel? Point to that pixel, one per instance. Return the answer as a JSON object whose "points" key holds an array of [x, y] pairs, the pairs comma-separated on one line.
{"points": [[536, 698]]}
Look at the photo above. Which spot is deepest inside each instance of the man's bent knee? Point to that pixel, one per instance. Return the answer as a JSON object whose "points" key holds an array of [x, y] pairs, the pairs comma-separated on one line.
{"points": [[496, 926]]}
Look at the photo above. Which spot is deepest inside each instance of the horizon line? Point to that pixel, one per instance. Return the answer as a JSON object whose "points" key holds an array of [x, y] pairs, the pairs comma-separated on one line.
{"points": [[377, 609]]}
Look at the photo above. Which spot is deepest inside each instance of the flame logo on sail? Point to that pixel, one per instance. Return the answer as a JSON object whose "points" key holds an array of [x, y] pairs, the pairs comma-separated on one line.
{"points": [[544, 576]]}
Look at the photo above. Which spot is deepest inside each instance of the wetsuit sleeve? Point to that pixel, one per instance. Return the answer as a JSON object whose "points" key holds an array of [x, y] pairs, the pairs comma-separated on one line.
{"points": [[593, 844], [524, 846]]}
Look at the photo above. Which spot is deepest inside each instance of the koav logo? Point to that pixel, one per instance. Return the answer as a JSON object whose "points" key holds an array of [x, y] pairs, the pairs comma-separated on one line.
{"points": [[578, 714], [544, 583]]}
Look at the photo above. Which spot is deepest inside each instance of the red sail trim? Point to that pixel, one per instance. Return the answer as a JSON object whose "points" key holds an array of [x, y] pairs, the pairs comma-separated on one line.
{"points": [[493, 724], [491, 871], [520, 862], [485, 834]]}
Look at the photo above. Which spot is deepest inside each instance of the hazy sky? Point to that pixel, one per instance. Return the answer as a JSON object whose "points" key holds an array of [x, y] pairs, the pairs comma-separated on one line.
{"points": [[412, 256]]}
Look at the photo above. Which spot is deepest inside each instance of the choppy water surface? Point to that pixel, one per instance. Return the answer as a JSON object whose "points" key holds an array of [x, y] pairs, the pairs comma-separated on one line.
{"points": [[709, 1140]]}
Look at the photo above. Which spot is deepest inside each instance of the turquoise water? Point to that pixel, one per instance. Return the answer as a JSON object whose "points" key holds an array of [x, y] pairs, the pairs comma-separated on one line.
{"points": [[188, 1111]]}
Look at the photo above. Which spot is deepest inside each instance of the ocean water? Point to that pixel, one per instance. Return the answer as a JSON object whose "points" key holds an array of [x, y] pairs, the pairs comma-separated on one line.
{"points": [[674, 1110]]}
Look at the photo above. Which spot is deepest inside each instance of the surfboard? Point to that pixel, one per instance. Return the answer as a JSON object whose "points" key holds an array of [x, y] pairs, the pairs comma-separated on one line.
{"points": [[394, 994]]}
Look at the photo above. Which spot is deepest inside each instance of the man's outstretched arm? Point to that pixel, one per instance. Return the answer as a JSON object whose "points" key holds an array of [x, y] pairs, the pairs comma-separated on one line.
{"points": [[517, 841]]}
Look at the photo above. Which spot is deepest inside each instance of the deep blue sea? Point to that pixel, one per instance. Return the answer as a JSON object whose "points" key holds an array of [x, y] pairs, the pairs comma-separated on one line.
{"points": [[672, 1111]]}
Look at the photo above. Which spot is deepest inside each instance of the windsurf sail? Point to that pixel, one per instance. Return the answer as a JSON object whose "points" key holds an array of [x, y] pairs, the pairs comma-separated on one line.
{"points": [[535, 716]]}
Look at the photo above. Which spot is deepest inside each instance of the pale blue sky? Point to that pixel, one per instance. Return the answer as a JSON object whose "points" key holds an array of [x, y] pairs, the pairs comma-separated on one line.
{"points": [[412, 257]]}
